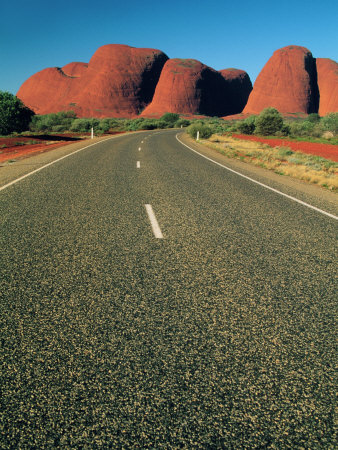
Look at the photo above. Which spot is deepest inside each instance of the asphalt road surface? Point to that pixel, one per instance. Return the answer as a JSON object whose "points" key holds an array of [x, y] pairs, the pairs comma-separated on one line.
{"points": [[205, 319]]}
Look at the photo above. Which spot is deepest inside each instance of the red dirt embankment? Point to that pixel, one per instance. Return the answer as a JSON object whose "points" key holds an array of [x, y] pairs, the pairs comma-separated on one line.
{"points": [[13, 148], [327, 151]]}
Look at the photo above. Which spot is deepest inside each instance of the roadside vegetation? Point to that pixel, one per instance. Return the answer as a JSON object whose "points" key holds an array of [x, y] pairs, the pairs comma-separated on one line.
{"points": [[14, 115], [67, 121], [18, 120], [220, 135], [282, 160]]}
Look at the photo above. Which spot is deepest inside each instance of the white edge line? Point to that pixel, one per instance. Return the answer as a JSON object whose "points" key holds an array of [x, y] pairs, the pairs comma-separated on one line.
{"points": [[154, 224], [261, 184], [51, 163]]}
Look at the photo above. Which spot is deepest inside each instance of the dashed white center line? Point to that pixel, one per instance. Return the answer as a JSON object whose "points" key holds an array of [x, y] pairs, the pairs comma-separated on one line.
{"points": [[154, 224], [138, 164], [139, 149]]}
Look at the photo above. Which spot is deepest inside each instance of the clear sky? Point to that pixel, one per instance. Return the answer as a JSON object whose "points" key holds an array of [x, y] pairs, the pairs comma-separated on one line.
{"points": [[35, 34]]}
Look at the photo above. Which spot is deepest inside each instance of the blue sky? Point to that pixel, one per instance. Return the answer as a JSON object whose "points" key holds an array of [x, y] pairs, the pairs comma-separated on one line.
{"points": [[36, 34]]}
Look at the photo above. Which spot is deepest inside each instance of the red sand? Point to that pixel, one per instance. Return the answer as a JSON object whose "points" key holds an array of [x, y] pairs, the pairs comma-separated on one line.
{"points": [[23, 151], [13, 151], [327, 151]]}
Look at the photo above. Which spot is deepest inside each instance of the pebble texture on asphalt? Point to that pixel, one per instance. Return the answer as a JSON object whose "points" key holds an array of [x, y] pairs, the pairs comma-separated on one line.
{"points": [[220, 335]]}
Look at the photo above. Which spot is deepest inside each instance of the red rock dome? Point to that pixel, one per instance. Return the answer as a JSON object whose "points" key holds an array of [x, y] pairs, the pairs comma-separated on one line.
{"points": [[187, 86], [47, 91], [327, 72], [288, 82], [118, 81]]}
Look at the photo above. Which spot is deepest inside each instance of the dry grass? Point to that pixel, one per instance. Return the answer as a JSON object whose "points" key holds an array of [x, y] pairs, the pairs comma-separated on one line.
{"points": [[281, 160]]}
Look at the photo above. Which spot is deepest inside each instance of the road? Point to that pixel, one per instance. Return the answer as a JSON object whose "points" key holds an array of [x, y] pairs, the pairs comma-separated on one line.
{"points": [[219, 334]]}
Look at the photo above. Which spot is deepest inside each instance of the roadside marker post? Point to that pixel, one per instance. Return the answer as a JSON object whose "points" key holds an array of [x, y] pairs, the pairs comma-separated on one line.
{"points": [[198, 136], [92, 133]]}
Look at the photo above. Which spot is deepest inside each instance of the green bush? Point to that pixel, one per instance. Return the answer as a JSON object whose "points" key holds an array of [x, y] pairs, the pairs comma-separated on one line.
{"points": [[14, 115], [305, 128], [104, 125], [314, 117], [170, 118], [135, 124], [247, 126], [149, 124], [61, 121], [205, 131], [182, 123], [81, 125], [269, 122], [330, 123]]}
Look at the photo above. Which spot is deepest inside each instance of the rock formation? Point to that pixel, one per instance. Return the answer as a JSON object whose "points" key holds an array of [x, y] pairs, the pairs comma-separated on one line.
{"points": [[327, 71], [288, 82], [75, 69], [123, 81], [189, 87], [47, 91], [239, 87], [119, 81]]}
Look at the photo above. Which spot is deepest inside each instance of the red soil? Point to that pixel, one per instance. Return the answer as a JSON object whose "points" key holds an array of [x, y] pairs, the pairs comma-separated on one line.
{"points": [[327, 151], [15, 151], [24, 151]]}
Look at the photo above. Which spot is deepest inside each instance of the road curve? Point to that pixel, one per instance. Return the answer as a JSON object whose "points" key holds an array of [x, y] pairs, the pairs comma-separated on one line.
{"points": [[170, 303]]}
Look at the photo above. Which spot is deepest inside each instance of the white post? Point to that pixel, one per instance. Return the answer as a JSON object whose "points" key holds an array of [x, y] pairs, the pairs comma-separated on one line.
{"points": [[92, 133], [198, 136]]}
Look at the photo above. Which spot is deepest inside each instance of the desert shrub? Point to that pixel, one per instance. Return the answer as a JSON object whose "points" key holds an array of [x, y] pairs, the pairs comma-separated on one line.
{"points": [[205, 130], [14, 115], [80, 125], [104, 125], [269, 122], [330, 123], [285, 151], [314, 117], [85, 125], [247, 126], [285, 131], [150, 124], [60, 128], [135, 124], [61, 121], [170, 118], [182, 123], [305, 128], [161, 124]]}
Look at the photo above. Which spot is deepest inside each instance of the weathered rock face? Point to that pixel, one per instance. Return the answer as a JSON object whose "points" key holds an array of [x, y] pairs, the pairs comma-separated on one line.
{"points": [[119, 81], [189, 87], [327, 71], [288, 82], [75, 69], [239, 88], [47, 91]]}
